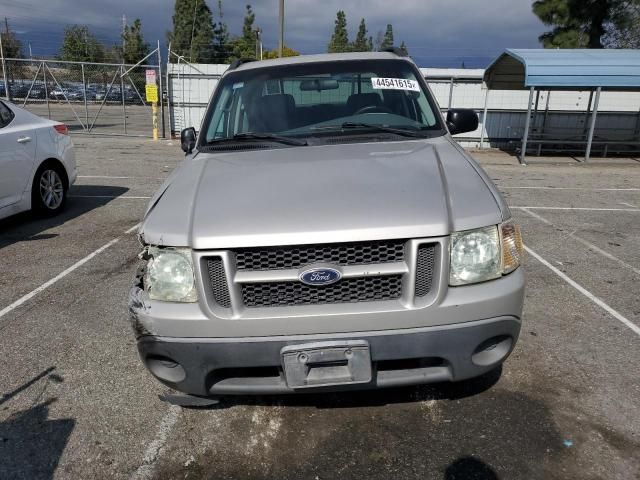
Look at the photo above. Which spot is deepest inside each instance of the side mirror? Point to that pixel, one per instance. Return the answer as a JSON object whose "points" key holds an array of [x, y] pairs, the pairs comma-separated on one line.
{"points": [[461, 120], [188, 140]]}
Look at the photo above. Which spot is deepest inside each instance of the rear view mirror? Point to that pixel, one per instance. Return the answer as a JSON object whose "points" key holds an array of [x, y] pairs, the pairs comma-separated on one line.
{"points": [[188, 140], [318, 85], [461, 120]]}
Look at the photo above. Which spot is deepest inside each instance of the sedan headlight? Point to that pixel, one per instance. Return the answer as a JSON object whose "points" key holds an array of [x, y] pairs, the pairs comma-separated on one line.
{"points": [[484, 254], [169, 275]]}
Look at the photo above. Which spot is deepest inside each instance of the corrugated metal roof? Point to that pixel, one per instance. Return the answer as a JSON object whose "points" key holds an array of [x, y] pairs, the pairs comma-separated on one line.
{"points": [[567, 69]]}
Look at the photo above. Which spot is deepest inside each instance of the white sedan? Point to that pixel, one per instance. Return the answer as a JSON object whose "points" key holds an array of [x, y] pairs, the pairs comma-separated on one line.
{"points": [[37, 162]]}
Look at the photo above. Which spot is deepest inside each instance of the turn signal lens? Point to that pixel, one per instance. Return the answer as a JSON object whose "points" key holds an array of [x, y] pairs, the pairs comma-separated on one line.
{"points": [[512, 247], [61, 128]]}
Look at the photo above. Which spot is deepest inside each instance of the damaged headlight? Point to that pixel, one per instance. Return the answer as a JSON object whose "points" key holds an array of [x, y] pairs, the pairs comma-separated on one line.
{"points": [[485, 253], [169, 275]]}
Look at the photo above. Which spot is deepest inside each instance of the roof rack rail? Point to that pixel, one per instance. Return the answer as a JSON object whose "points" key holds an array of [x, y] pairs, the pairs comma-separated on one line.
{"points": [[239, 61], [397, 50]]}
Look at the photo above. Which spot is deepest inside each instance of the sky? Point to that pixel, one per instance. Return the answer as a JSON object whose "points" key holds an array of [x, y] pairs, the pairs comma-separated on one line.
{"points": [[437, 33]]}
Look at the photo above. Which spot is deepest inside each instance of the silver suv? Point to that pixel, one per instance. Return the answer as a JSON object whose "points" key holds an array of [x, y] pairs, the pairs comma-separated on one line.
{"points": [[325, 231]]}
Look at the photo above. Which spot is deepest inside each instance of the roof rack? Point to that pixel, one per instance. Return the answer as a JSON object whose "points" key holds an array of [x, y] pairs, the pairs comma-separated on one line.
{"points": [[240, 61], [397, 50]]}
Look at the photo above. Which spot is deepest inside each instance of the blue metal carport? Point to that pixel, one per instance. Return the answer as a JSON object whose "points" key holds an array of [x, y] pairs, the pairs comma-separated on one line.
{"points": [[567, 69]]}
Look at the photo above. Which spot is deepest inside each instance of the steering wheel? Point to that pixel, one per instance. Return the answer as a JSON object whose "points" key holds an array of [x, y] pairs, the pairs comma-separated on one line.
{"points": [[373, 109]]}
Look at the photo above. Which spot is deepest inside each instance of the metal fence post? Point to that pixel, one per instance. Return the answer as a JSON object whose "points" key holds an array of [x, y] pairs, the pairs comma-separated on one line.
{"points": [[450, 94], [169, 113], [164, 133], [46, 90], [124, 108], [4, 72], [592, 127], [84, 93]]}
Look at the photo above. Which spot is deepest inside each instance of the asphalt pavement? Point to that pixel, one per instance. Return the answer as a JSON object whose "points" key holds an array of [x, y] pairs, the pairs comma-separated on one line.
{"points": [[76, 402]]}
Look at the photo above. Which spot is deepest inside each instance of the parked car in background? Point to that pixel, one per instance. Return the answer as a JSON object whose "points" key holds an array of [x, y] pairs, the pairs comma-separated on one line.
{"points": [[37, 162], [326, 232]]}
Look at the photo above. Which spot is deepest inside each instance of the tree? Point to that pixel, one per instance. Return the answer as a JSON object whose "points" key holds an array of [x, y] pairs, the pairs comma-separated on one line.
{"points": [[80, 45], [404, 48], [579, 23], [340, 38], [135, 48], [245, 45], [362, 43], [286, 52], [193, 32], [625, 34], [220, 38], [387, 40], [11, 46]]}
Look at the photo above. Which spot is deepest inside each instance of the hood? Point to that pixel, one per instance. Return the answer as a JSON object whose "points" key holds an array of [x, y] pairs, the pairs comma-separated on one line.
{"points": [[321, 194]]}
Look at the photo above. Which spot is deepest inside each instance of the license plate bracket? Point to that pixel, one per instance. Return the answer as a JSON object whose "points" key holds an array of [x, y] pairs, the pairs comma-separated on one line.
{"points": [[325, 364]]}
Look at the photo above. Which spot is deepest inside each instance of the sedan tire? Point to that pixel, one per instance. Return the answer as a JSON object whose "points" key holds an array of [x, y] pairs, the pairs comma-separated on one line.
{"points": [[49, 191]]}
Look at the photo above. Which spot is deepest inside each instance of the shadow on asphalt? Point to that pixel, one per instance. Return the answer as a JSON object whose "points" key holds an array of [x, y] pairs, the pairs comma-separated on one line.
{"points": [[28, 226], [31, 444], [469, 468]]}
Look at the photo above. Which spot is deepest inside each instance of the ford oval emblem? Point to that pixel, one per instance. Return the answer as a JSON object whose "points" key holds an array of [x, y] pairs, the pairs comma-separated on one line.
{"points": [[320, 276]]}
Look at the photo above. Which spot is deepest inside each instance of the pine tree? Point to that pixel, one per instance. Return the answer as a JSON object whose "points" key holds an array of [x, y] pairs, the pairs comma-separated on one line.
{"points": [[387, 41], [192, 34], [220, 38], [580, 24], [135, 48], [404, 48], [340, 39], [362, 43], [245, 45]]}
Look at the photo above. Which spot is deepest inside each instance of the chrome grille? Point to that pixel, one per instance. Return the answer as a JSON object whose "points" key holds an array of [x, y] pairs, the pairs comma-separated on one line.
{"points": [[424, 269], [282, 258], [349, 290], [219, 286]]}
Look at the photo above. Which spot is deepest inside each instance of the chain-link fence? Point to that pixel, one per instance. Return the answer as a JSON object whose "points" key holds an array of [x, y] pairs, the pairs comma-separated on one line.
{"points": [[88, 97]]}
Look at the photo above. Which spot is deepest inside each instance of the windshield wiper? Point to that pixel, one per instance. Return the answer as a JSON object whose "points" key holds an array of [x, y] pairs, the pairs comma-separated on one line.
{"points": [[260, 136], [380, 128]]}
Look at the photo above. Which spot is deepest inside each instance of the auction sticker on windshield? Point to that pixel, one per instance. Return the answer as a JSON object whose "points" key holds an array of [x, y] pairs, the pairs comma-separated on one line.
{"points": [[394, 84]]}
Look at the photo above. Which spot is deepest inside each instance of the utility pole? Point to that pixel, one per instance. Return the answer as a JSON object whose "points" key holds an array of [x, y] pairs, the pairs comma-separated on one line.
{"points": [[124, 30], [281, 18], [259, 43]]}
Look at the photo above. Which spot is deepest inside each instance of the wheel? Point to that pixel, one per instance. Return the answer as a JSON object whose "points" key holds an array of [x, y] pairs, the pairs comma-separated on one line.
{"points": [[49, 194]]}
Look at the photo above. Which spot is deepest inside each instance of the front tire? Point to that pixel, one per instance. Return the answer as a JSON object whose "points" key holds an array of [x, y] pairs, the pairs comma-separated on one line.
{"points": [[49, 192]]}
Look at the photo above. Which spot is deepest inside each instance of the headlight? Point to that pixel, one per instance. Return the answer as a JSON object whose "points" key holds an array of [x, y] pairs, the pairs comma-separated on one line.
{"points": [[169, 276], [484, 254]]}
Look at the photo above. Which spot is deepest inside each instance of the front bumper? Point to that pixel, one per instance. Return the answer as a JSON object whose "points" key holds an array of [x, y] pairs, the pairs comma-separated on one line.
{"points": [[253, 365]]}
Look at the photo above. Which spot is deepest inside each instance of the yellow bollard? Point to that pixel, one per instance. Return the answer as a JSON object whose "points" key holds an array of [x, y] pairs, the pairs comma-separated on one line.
{"points": [[154, 110]]}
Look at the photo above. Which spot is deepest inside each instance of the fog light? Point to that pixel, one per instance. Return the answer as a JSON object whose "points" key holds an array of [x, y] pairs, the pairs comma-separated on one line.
{"points": [[166, 369], [492, 351]]}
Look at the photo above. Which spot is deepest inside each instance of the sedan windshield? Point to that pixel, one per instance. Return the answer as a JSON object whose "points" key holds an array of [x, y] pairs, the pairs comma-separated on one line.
{"points": [[341, 98]]}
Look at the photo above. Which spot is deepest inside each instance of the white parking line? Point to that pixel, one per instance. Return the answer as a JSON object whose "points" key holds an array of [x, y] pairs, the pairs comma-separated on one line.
{"points": [[574, 188], [75, 266], [586, 209], [119, 178], [586, 292], [588, 244], [628, 204], [152, 452], [123, 197]]}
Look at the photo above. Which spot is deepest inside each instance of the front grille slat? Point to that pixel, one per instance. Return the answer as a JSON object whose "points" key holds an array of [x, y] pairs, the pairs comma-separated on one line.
{"points": [[282, 258], [349, 290]]}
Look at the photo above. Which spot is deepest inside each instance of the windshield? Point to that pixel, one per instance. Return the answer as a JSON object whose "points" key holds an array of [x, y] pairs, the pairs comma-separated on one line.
{"points": [[342, 98]]}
